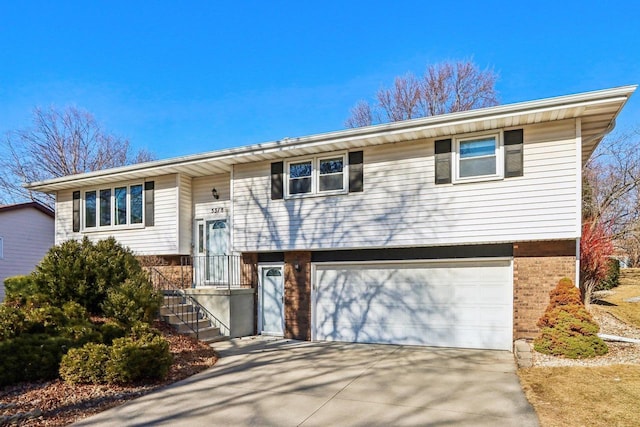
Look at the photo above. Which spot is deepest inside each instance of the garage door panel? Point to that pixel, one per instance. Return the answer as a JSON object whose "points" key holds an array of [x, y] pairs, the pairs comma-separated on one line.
{"points": [[456, 304]]}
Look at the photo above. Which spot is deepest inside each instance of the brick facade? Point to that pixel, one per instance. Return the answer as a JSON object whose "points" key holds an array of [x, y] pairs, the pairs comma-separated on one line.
{"points": [[249, 270], [537, 268], [297, 295]]}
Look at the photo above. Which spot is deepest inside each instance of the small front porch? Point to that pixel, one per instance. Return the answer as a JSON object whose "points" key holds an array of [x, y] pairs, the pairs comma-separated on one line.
{"points": [[216, 291]]}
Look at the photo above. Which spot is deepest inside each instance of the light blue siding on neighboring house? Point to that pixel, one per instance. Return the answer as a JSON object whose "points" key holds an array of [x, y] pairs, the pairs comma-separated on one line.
{"points": [[27, 234]]}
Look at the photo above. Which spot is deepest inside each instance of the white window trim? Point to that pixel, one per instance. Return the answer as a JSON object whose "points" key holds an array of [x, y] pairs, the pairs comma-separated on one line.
{"points": [[112, 226], [499, 155], [315, 175]]}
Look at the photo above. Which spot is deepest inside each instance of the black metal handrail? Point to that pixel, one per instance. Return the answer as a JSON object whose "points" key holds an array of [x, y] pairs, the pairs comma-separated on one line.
{"points": [[181, 309]]}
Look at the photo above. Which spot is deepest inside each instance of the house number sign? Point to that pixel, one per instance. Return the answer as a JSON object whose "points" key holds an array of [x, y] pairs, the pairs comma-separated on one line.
{"points": [[217, 210]]}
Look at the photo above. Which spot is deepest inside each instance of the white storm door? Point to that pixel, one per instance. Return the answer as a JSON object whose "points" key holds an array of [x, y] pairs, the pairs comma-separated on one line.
{"points": [[271, 313], [216, 251]]}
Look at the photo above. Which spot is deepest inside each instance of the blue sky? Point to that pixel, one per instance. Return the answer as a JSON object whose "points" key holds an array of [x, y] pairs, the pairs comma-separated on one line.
{"points": [[184, 77]]}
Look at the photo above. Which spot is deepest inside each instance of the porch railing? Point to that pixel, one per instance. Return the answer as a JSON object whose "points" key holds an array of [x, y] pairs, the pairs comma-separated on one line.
{"points": [[214, 270]]}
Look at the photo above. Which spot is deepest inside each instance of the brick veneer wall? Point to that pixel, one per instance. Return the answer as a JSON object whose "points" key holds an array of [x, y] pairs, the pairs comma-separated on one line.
{"points": [[249, 279], [297, 295], [249, 270], [537, 268]]}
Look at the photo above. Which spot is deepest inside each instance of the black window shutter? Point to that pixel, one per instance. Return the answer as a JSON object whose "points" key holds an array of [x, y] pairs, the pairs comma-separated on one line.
{"points": [[356, 175], [443, 161], [76, 211], [513, 153], [149, 203], [277, 188]]}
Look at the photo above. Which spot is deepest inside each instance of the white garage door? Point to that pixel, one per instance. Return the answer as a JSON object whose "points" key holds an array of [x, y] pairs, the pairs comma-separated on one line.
{"points": [[467, 304]]}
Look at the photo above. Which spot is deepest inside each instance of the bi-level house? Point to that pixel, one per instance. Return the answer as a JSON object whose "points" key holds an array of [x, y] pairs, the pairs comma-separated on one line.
{"points": [[440, 231]]}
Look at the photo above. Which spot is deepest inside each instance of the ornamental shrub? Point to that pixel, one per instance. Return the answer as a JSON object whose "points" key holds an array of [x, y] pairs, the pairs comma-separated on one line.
{"points": [[612, 279], [567, 328], [84, 272], [31, 357], [12, 322], [565, 293], [132, 360], [142, 355], [19, 288], [135, 300], [85, 365], [110, 331]]}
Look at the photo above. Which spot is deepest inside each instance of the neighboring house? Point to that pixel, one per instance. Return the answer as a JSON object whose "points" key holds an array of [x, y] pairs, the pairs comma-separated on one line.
{"points": [[442, 231], [26, 234]]}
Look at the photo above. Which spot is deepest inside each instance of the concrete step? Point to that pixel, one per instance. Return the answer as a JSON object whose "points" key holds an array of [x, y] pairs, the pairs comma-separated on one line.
{"points": [[175, 319], [215, 339], [176, 308], [206, 334], [187, 328], [173, 299]]}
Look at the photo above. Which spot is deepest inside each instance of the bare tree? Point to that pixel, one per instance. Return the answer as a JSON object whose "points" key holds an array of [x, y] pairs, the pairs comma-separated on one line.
{"points": [[444, 88], [361, 115], [611, 191], [613, 176], [59, 143]]}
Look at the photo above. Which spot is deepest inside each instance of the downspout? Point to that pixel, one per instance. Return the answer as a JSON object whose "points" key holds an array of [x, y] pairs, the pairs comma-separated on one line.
{"points": [[598, 136], [578, 196]]}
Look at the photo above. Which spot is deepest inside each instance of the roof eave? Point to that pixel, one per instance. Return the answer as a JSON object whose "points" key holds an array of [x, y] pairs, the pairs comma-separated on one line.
{"points": [[371, 135]]}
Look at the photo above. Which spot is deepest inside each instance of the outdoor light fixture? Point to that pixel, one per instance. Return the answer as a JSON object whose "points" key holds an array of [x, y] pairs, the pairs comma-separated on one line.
{"points": [[297, 266], [215, 194]]}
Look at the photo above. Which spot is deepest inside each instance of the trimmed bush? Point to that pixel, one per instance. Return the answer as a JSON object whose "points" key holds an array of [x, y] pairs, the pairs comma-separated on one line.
{"points": [[134, 359], [19, 288], [111, 331], [567, 328], [85, 365], [31, 357], [565, 293], [143, 355], [12, 322], [135, 300], [613, 276], [84, 272]]}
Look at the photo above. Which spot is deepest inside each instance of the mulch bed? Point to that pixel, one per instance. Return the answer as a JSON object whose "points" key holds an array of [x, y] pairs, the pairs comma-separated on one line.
{"points": [[56, 403]]}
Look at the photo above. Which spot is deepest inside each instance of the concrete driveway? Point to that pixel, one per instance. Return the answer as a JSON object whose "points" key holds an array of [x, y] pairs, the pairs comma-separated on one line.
{"points": [[259, 381]]}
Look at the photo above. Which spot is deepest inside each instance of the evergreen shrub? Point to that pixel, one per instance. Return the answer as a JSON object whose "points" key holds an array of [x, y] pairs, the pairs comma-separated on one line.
{"points": [[566, 327]]}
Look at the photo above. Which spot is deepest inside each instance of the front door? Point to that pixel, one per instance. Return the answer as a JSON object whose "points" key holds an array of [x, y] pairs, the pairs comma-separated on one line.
{"points": [[217, 265], [271, 293], [212, 263]]}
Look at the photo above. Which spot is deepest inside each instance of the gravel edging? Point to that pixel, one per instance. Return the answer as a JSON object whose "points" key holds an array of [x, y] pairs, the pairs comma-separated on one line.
{"points": [[619, 352]]}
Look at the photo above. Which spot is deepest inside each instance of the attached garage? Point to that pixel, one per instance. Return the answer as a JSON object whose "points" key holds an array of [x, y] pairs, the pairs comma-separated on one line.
{"points": [[467, 304]]}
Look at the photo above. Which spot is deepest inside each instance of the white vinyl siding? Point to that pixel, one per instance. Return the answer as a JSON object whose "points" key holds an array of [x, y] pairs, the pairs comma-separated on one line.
{"points": [[185, 220], [204, 205], [160, 239], [401, 206], [27, 234]]}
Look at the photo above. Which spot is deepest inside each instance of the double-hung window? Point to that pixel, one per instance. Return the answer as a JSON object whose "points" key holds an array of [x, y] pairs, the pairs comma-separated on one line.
{"points": [[331, 174], [113, 207], [478, 158], [317, 175], [301, 177]]}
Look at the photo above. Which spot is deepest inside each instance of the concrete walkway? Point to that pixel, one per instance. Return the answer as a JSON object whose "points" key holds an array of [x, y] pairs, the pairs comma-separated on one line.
{"points": [[265, 382]]}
